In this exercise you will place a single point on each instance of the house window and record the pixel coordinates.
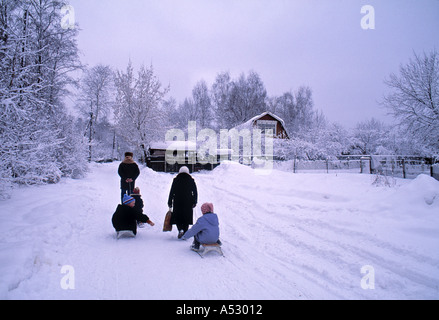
(265, 125)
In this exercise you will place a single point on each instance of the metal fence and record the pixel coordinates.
(401, 166)
(404, 169)
(356, 165)
(394, 166)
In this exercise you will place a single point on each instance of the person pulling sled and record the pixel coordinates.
(128, 171)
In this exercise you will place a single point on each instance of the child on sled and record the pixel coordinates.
(138, 204)
(206, 230)
(126, 216)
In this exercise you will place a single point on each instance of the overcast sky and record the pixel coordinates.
(317, 43)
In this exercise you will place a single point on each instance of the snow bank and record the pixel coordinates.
(16, 263)
(285, 236)
(423, 190)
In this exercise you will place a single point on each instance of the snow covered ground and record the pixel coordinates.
(285, 236)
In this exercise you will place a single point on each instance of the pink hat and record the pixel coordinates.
(207, 208)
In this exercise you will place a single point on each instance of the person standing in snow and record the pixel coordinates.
(183, 199)
(128, 172)
(126, 216)
(206, 230)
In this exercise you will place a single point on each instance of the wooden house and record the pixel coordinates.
(185, 153)
(266, 121)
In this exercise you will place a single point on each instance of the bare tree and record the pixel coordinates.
(137, 109)
(221, 90)
(296, 109)
(95, 98)
(414, 100)
(202, 103)
(236, 102)
(248, 98)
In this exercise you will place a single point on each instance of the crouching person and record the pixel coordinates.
(206, 230)
(126, 216)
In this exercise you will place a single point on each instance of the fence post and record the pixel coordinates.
(403, 169)
(434, 171)
(294, 166)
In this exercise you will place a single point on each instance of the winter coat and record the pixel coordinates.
(139, 202)
(183, 198)
(128, 169)
(206, 230)
(125, 218)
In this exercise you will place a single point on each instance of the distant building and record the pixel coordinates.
(170, 156)
(264, 122)
(184, 153)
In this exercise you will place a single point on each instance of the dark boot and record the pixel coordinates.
(195, 246)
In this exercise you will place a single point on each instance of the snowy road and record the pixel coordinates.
(286, 236)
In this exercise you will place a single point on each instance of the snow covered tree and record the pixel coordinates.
(220, 93)
(202, 105)
(139, 119)
(173, 115)
(197, 108)
(311, 136)
(72, 152)
(337, 140)
(296, 109)
(414, 99)
(370, 135)
(95, 99)
(236, 102)
(247, 99)
(187, 111)
(36, 58)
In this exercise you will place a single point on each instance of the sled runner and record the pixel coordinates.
(125, 234)
(206, 248)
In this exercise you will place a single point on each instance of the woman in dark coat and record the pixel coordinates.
(183, 198)
(128, 172)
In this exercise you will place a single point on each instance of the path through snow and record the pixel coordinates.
(286, 236)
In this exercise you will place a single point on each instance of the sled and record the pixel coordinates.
(206, 248)
(125, 234)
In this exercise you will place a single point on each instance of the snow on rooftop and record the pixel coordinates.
(250, 123)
